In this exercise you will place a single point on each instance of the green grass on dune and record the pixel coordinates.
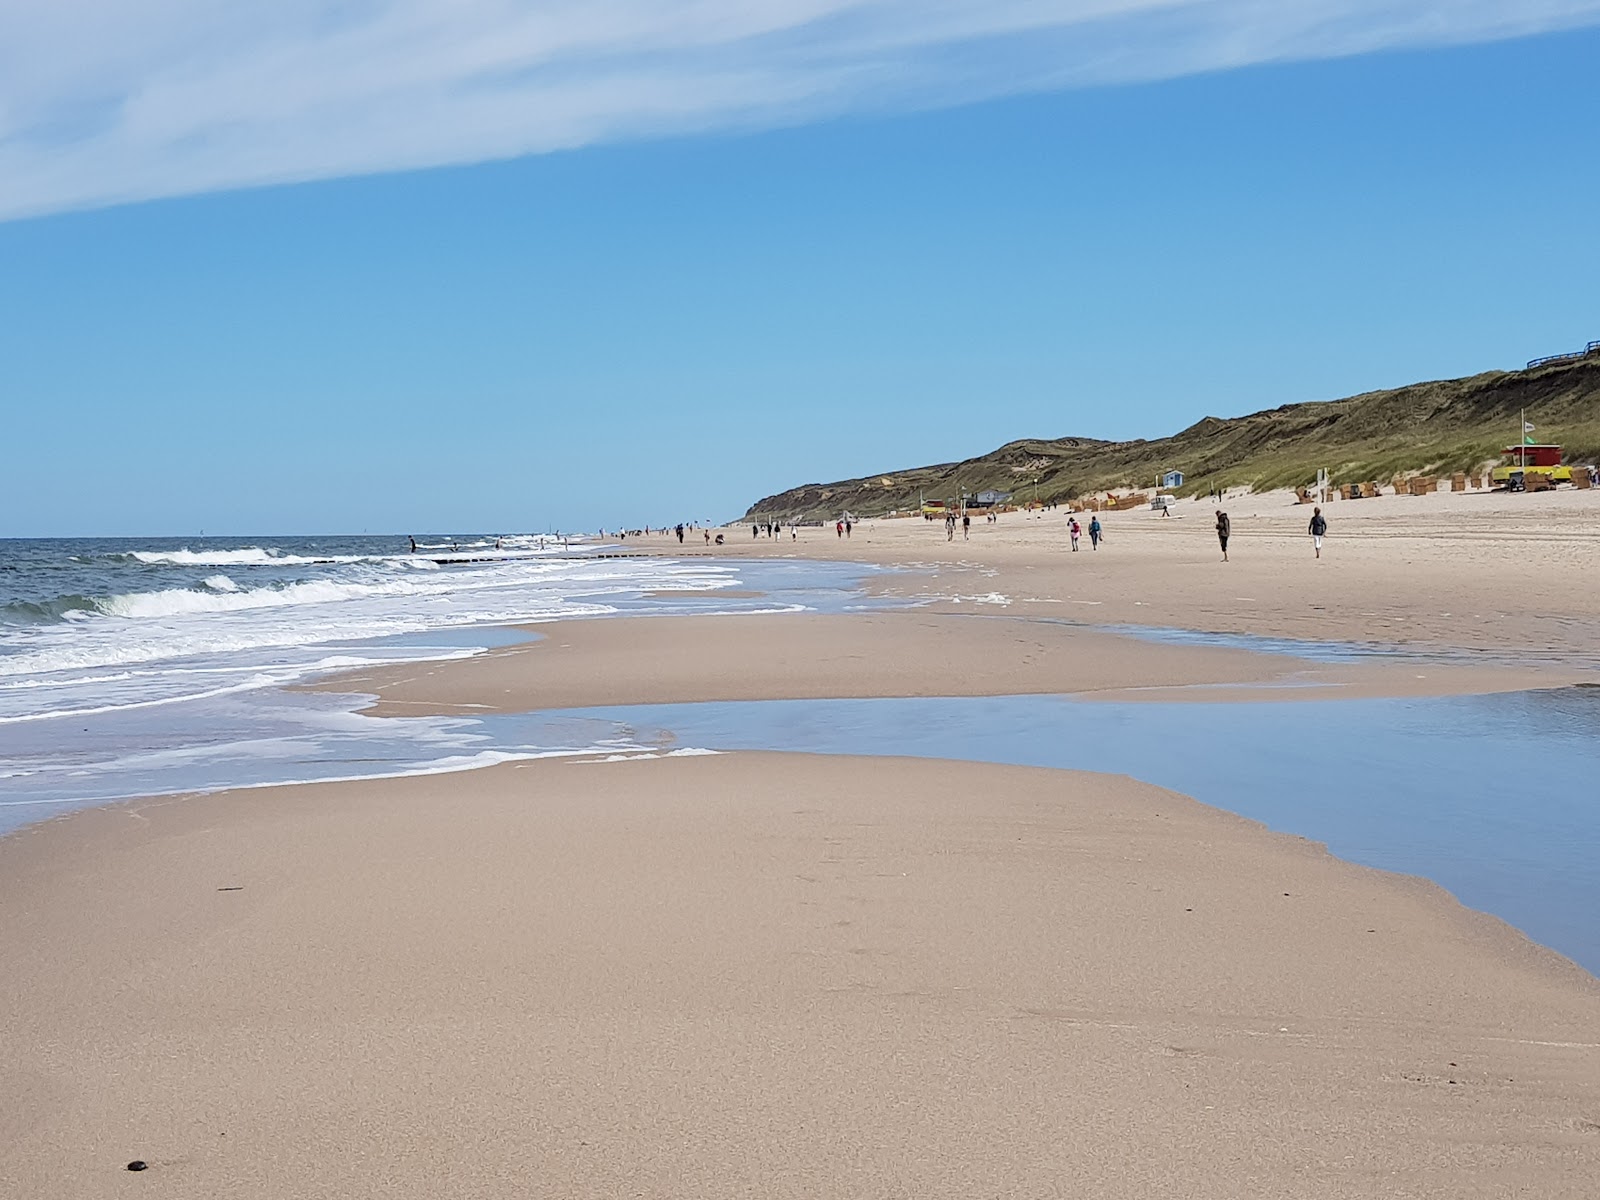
(1432, 428)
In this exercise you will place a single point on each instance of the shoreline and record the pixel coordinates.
(617, 970)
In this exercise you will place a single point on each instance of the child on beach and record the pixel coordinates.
(1317, 529)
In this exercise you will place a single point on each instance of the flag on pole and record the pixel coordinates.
(1527, 427)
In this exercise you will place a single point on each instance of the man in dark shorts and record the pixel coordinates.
(1224, 528)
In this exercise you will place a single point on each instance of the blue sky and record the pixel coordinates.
(706, 300)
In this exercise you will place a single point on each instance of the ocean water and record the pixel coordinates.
(144, 667)
(1496, 798)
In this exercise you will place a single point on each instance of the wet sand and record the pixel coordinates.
(764, 975)
(661, 660)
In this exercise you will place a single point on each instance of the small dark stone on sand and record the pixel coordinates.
(231, 889)
(138, 1164)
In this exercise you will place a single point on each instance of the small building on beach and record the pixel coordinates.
(989, 498)
(1171, 480)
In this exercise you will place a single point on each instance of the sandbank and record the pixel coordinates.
(776, 975)
(660, 660)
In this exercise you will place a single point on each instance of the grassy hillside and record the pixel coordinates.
(1451, 425)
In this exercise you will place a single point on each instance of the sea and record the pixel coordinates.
(148, 667)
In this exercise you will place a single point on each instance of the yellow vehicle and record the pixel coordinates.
(1524, 462)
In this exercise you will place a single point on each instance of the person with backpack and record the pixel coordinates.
(1224, 531)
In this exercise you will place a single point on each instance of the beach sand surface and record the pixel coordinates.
(773, 975)
(660, 660)
(1512, 575)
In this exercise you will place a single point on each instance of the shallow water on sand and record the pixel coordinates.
(1497, 798)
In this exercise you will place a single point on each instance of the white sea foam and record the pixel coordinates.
(246, 556)
(155, 647)
(175, 601)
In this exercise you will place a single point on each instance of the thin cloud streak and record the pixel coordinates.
(103, 102)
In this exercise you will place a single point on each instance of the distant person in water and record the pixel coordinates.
(1318, 529)
(1224, 531)
(1095, 533)
(413, 545)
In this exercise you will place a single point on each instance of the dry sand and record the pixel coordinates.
(764, 975)
(1492, 572)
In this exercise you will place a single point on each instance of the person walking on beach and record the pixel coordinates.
(1095, 533)
(1224, 528)
(1318, 529)
(680, 533)
(847, 526)
(1076, 531)
(949, 527)
(838, 529)
(966, 526)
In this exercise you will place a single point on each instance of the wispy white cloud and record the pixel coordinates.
(107, 101)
